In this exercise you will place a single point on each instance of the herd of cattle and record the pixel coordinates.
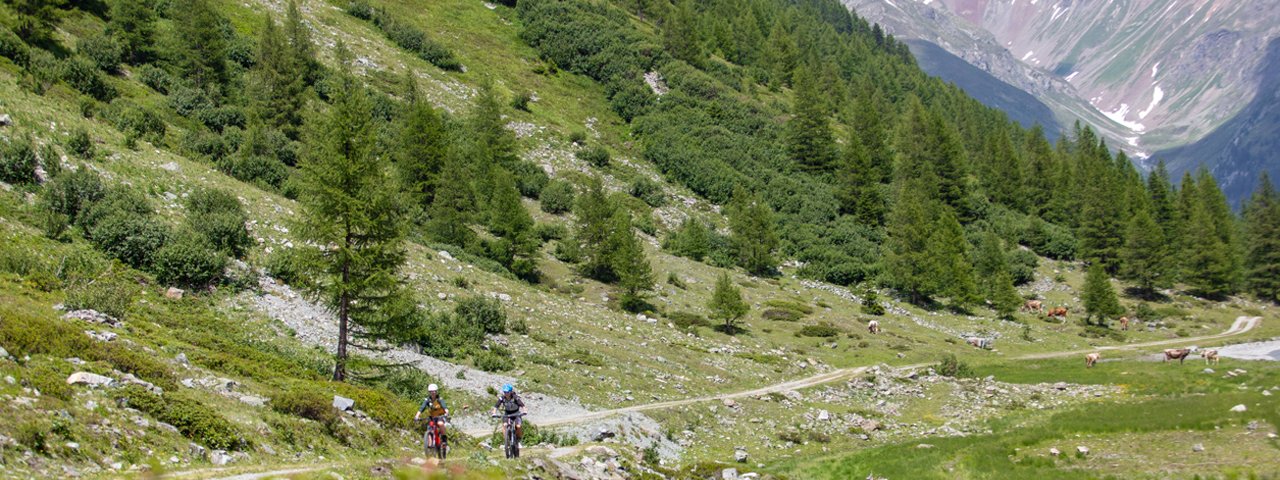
(1179, 354)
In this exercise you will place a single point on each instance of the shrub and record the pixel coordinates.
(305, 402)
(578, 137)
(130, 237)
(80, 145)
(584, 357)
(410, 383)
(595, 155)
(82, 74)
(220, 218)
(675, 281)
(530, 178)
(483, 312)
(1022, 266)
(406, 36)
(822, 330)
(493, 360)
(71, 194)
(521, 101)
(155, 77)
(780, 315)
(189, 260)
(112, 293)
(18, 161)
(687, 320)
(193, 419)
(551, 231)
(871, 304)
(1144, 312)
(648, 191)
(103, 50)
(791, 305)
(136, 121)
(12, 47)
(950, 366)
(557, 197)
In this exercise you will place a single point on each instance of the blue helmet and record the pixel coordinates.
(508, 388)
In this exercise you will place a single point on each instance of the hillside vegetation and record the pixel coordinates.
(610, 204)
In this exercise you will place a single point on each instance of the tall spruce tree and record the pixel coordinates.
(301, 48)
(452, 205)
(1163, 207)
(422, 147)
(1100, 301)
(858, 185)
(950, 253)
(680, 33)
(627, 258)
(1145, 256)
(275, 88)
(908, 267)
(809, 140)
(1206, 265)
(752, 226)
(1262, 240)
(200, 47)
(357, 220)
(726, 304)
(132, 25)
(991, 269)
(592, 213)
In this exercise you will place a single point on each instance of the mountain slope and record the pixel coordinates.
(1021, 106)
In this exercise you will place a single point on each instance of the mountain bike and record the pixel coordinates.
(511, 444)
(434, 442)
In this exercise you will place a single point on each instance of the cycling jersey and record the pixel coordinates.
(434, 407)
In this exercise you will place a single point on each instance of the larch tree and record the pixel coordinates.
(629, 263)
(809, 140)
(1262, 240)
(354, 220)
(1145, 256)
(1100, 301)
(752, 225)
(132, 24)
(726, 304)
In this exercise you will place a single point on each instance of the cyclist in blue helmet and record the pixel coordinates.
(509, 403)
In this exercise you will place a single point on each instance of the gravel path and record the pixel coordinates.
(1269, 350)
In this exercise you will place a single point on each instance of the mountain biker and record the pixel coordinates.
(510, 404)
(435, 408)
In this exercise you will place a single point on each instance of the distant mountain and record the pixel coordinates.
(1240, 149)
(1021, 106)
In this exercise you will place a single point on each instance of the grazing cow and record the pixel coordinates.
(1210, 356)
(1124, 323)
(873, 326)
(1179, 354)
(1032, 306)
(1091, 359)
(1060, 312)
(979, 342)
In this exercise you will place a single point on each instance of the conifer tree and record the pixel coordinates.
(859, 189)
(350, 212)
(1100, 301)
(301, 48)
(593, 211)
(680, 33)
(507, 216)
(1003, 175)
(1206, 259)
(809, 140)
(908, 267)
(422, 147)
(692, 240)
(451, 205)
(1101, 218)
(726, 304)
(752, 225)
(949, 252)
(200, 48)
(991, 269)
(35, 19)
(276, 86)
(780, 53)
(628, 261)
(1163, 208)
(869, 125)
(1041, 166)
(132, 24)
(1145, 256)
(491, 142)
(928, 148)
(1262, 240)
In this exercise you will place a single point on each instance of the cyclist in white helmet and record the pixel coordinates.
(435, 408)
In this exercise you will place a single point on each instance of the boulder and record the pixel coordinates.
(1199, 447)
(6, 120)
(729, 474)
(1055, 452)
(196, 451)
(4, 354)
(174, 293)
(824, 416)
(90, 379)
(740, 455)
(1208, 371)
(869, 425)
(219, 458)
(1239, 408)
(1082, 451)
(728, 402)
(343, 403)
(182, 359)
(603, 434)
(92, 316)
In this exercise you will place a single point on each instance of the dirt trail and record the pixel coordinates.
(1241, 325)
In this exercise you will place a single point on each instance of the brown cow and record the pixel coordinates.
(1090, 359)
(1032, 306)
(1060, 312)
(1210, 356)
(1179, 354)
(873, 326)
(1124, 323)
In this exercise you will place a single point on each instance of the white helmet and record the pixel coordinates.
(432, 388)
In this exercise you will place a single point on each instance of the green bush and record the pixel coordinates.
(950, 366)
(409, 383)
(687, 320)
(18, 161)
(649, 191)
(193, 419)
(112, 293)
(155, 77)
(12, 47)
(483, 312)
(82, 74)
(780, 315)
(492, 360)
(80, 145)
(136, 121)
(583, 357)
(406, 36)
(220, 218)
(596, 155)
(822, 330)
(530, 178)
(305, 402)
(578, 137)
(189, 260)
(103, 50)
(130, 237)
(551, 231)
(871, 304)
(71, 194)
(791, 305)
(557, 197)
(521, 101)
(1022, 266)
(22, 334)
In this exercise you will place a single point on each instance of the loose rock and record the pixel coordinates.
(740, 455)
(343, 403)
(1239, 408)
(174, 293)
(1199, 447)
(90, 379)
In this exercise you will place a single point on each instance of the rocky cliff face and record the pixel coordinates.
(1153, 73)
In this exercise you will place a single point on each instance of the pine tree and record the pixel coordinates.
(950, 253)
(869, 124)
(301, 48)
(991, 269)
(1041, 164)
(132, 24)
(680, 33)
(276, 87)
(859, 189)
(726, 304)
(422, 147)
(35, 19)
(1225, 226)
(1206, 260)
(1101, 225)
(592, 214)
(507, 216)
(350, 212)
(692, 240)
(1262, 240)
(780, 54)
(200, 51)
(752, 225)
(491, 142)
(908, 267)
(809, 140)
(628, 261)
(1145, 255)
(1100, 301)
(1003, 175)
(452, 205)
(927, 147)
(1163, 209)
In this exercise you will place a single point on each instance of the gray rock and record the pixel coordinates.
(182, 359)
(603, 434)
(90, 379)
(729, 474)
(343, 403)
(9, 379)
(740, 455)
(1239, 408)
(4, 354)
(6, 120)
(252, 400)
(174, 293)
(1208, 371)
(92, 316)
(1082, 451)
(1199, 447)
(197, 451)
(219, 458)
(1055, 452)
(824, 416)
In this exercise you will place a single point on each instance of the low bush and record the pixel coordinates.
(648, 191)
(305, 402)
(155, 77)
(583, 357)
(596, 155)
(82, 74)
(12, 47)
(188, 260)
(18, 161)
(791, 305)
(130, 237)
(780, 315)
(193, 419)
(871, 304)
(687, 320)
(521, 101)
(557, 197)
(136, 121)
(483, 312)
(950, 366)
(822, 330)
(551, 231)
(80, 145)
(530, 178)
(405, 35)
(493, 360)
(103, 50)
(220, 218)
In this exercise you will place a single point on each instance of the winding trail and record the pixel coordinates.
(1240, 326)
